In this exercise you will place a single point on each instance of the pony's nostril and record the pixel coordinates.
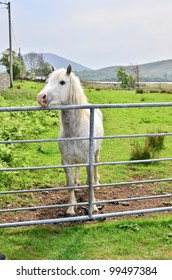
(42, 99)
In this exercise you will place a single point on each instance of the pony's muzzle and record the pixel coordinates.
(42, 99)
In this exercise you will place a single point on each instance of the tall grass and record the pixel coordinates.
(156, 143)
(151, 148)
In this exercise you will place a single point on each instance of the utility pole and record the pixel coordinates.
(10, 42)
(10, 45)
(137, 77)
(20, 59)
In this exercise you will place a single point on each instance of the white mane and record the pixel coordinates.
(76, 91)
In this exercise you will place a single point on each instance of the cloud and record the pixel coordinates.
(96, 33)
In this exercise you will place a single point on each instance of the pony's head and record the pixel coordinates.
(57, 90)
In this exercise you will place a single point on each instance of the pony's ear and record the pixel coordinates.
(53, 68)
(69, 69)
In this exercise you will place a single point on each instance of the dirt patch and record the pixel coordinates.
(54, 198)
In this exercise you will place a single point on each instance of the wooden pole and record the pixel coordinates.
(10, 46)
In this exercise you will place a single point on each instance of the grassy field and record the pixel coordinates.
(149, 238)
(141, 239)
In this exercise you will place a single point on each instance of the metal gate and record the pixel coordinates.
(90, 164)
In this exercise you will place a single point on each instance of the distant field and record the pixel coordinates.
(45, 124)
(146, 87)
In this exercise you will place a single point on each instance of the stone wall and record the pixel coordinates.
(4, 81)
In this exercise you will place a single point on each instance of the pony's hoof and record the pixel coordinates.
(96, 211)
(97, 183)
(77, 183)
(70, 212)
(100, 207)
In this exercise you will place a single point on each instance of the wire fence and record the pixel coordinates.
(89, 165)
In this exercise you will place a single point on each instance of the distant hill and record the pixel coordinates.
(61, 62)
(160, 71)
(58, 62)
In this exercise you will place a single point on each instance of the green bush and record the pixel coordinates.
(139, 152)
(150, 149)
(156, 143)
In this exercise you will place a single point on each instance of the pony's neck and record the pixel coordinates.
(71, 119)
(77, 96)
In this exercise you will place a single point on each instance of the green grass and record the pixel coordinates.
(125, 239)
(141, 239)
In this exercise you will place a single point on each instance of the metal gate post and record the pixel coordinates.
(91, 161)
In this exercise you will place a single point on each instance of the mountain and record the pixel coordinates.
(160, 71)
(61, 62)
(55, 60)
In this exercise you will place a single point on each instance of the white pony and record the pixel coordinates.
(64, 88)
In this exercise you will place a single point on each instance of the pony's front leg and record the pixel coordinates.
(72, 198)
(77, 175)
(94, 207)
(96, 174)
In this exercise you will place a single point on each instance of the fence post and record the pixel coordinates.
(91, 161)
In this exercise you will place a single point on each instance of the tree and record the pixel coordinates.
(32, 61)
(134, 69)
(126, 80)
(36, 64)
(43, 67)
(18, 63)
(131, 81)
(122, 77)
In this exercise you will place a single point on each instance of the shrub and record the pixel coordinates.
(153, 91)
(139, 90)
(6, 155)
(156, 143)
(151, 148)
(163, 91)
(138, 152)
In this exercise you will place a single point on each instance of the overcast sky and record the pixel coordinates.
(95, 33)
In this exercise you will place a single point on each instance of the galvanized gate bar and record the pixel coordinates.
(88, 106)
(86, 218)
(31, 208)
(133, 199)
(134, 182)
(42, 167)
(84, 138)
(134, 135)
(84, 187)
(85, 164)
(132, 161)
(111, 201)
(43, 190)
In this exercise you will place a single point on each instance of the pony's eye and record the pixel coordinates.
(62, 83)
